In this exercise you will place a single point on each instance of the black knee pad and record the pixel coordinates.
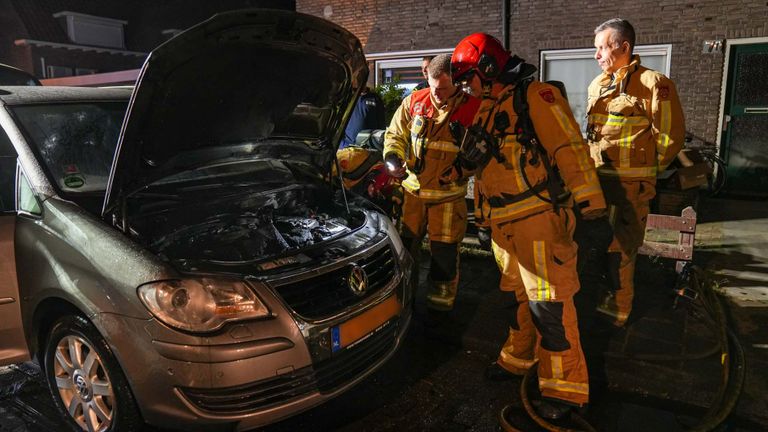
(548, 319)
(444, 258)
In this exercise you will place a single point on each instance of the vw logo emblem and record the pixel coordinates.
(357, 280)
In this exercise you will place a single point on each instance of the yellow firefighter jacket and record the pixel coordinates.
(635, 123)
(504, 194)
(420, 135)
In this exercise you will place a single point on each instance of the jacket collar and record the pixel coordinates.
(620, 74)
(615, 82)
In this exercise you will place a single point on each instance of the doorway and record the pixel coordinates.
(745, 118)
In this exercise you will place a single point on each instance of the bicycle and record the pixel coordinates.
(704, 151)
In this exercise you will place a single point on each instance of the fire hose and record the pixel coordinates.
(731, 359)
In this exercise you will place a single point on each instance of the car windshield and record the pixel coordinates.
(75, 141)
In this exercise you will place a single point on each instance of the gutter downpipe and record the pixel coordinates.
(505, 13)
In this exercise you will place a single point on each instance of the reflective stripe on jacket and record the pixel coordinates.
(558, 134)
(420, 135)
(635, 122)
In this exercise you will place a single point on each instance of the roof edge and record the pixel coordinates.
(86, 48)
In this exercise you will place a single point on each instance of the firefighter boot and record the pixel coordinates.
(441, 295)
(496, 372)
(552, 409)
(610, 307)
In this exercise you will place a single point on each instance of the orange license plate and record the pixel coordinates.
(364, 325)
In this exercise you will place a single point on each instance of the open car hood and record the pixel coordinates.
(243, 84)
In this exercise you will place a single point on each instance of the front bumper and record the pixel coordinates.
(256, 373)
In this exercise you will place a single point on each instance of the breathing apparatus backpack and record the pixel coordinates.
(527, 137)
(478, 147)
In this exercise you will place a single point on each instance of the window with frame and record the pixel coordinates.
(408, 71)
(404, 66)
(53, 71)
(576, 68)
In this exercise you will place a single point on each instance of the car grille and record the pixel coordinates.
(325, 377)
(261, 394)
(329, 293)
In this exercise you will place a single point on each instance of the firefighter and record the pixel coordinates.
(635, 129)
(530, 213)
(424, 66)
(418, 145)
(367, 115)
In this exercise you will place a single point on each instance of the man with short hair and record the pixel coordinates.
(635, 129)
(424, 65)
(419, 146)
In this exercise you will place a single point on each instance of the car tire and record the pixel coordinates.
(87, 385)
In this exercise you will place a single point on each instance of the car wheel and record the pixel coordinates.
(85, 380)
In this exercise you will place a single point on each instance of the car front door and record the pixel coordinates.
(13, 345)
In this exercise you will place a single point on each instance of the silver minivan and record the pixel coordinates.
(181, 254)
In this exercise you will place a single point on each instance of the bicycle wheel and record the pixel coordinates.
(717, 175)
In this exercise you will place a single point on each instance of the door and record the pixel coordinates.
(746, 120)
(13, 345)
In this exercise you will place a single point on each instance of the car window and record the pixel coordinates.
(75, 142)
(27, 200)
(7, 173)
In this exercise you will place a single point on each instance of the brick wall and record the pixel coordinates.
(404, 25)
(399, 25)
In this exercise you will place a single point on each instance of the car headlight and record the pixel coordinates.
(392, 233)
(201, 305)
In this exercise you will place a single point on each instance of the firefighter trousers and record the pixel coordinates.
(446, 224)
(537, 258)
(628, 208)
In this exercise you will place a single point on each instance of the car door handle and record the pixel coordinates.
(6, 300)
(756, 110)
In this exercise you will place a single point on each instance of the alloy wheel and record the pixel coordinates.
(83, 384)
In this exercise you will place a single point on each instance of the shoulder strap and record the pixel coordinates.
(526, 135)
(560, 86)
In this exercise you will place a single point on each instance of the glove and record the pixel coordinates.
(594, 214)
(450, 175)
(465, 164)
(459, 170)
(593, 236)
(484, 238)
(597, 232)
(396, 198)
(395, 165)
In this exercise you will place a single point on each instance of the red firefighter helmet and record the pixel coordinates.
(480, 53)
